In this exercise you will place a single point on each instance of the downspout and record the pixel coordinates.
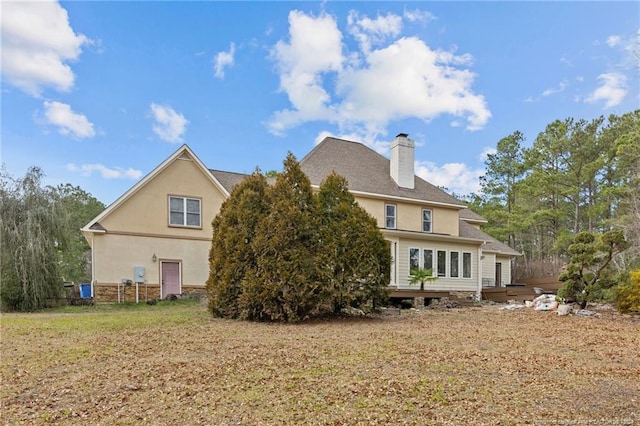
(93, 267)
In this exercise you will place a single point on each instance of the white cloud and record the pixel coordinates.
(488, 150)
(418, 15)
(170, 125)
(301, 63)
(456, 177)
(563, 85)
(613, 90)
(613, 40)
(104, 171)
(565, 60)
(222, 60)
(67, 121)
(369, 89)
(409, 79)
(37, 44)
(369, 32)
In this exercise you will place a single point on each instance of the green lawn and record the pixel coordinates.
(173, 364)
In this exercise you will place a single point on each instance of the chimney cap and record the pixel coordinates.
(402, 135)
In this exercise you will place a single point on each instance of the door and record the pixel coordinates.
(498, 274)
(170, 278)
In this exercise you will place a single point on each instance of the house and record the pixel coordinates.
(154, 240)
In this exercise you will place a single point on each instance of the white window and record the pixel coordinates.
(442, 263)
(426, 220)
(414, 260)
(184, 212)
(390, 216)
(466, 265)
(454, 264)
(427, 257)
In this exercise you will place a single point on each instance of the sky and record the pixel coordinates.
(97, 94)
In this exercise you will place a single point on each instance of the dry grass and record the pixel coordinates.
(176, 365)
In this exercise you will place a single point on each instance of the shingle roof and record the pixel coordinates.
(366, 171)
(471, 216)
(492, 245)
(228, 179)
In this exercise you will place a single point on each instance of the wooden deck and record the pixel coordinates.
(521, 292)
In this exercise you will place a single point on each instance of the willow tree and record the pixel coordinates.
(32, 226)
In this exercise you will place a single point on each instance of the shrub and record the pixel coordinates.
(628, 294)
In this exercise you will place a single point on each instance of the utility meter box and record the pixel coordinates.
(138, 274)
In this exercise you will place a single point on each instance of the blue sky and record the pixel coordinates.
(99, 93)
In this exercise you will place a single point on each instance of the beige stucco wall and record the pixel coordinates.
(147, 211)
(118, 254)
(409, 216)
(138, 228)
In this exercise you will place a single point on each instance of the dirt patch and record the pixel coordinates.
(176, 365)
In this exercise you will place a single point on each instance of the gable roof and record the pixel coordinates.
(367, 172)
(491, 244)
(183, 152)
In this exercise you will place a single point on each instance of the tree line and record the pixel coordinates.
(577, 176)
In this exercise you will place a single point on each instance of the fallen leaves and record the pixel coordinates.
(176, 365)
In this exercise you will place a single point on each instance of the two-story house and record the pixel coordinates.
(158, 234)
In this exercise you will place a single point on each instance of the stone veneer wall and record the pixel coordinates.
(108, 293)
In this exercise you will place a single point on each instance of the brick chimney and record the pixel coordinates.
(402, 159)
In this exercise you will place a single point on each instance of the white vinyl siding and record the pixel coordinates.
(431, 248)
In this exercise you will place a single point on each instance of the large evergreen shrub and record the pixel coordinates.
(282, 253)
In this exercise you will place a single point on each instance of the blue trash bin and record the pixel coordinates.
(85, 291)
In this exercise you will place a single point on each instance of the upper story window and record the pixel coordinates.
(184, 212)
(426, 220)
(390, 216)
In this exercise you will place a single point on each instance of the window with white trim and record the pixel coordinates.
(427, 259)
(390, 216)
(427, 216)
(184, 211)
(454, 264)
(466, 265)
(414, 260)
(441, 263)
